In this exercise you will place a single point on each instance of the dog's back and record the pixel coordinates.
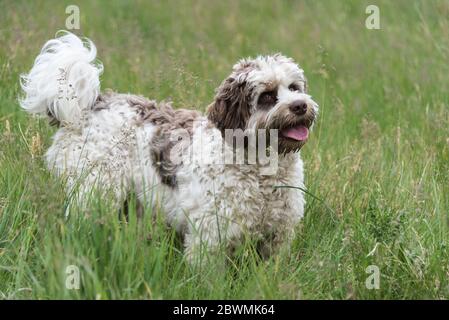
(106, 141)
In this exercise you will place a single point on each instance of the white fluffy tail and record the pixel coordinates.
(64, 80)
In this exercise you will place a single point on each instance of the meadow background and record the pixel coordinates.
(378, 158)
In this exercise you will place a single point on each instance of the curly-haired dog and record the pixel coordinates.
(119, 144)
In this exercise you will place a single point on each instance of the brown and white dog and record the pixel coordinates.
(118, 144)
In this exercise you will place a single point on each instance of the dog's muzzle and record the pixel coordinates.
(299, 129)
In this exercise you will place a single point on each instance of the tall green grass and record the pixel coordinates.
(378, 160)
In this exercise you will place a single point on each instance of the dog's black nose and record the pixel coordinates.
(298, 107)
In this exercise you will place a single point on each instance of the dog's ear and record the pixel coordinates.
(231, 108)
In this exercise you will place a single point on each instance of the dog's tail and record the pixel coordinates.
(64, 80)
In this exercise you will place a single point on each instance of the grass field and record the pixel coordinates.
(378, 159)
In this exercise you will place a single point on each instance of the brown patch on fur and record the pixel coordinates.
(231, 109)
(168, 121)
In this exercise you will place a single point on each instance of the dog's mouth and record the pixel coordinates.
(292, 133)
(298, 133)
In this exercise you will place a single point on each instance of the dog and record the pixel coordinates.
(122, 144)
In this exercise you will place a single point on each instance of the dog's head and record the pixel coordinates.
(266, 93)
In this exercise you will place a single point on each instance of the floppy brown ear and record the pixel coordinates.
(231, 108)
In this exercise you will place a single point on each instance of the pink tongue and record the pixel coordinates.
(299, 133)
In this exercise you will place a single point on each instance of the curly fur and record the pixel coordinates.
(121, 143)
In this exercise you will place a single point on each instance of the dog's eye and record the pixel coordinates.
(268, 98)
(294, 87)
